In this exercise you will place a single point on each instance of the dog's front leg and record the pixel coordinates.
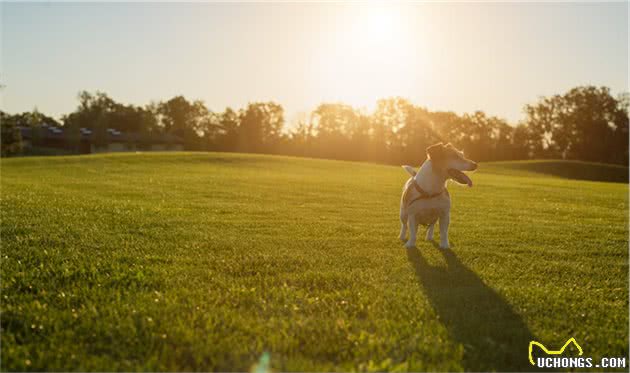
(445, 220)
(403, 231)
(430, 232)
(403, 225)
(413, 229)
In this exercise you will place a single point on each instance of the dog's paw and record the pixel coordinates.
(402, 238)
(444, 246)
(410, 245)
(428, 238)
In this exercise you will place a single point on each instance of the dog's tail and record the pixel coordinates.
(409, 170)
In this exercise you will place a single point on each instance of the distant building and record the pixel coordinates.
(85, 141)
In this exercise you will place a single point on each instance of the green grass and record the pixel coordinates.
(200, 261)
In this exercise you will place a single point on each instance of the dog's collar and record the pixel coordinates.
(423, 193)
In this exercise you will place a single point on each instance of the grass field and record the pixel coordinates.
(196, 261)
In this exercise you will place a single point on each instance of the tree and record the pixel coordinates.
(418, 133)
(390, 118)
(99, 130)
(99, 112)
(301, 139)
(91, 108)
(334, 126)
(10, 135)
(260, 127)
(585, 123)
(619, 145)
(227, 133)
(521, 144)
(185, 119)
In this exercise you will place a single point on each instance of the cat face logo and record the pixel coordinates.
(552, 352)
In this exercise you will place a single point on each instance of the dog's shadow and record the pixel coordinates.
(494, 337)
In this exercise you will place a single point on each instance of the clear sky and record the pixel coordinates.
(446, 56)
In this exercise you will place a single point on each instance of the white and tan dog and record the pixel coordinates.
(425, 198)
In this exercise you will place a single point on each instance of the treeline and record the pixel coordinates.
(586, 123)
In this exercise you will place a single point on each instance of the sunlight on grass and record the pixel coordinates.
(202, 261)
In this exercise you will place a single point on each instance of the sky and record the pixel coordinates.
(462, 57)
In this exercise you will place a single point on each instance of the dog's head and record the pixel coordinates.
(450, 161)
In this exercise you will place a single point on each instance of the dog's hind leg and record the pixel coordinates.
(445, 220)
(403, 225)
(429, 236)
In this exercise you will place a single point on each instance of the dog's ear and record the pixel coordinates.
(436, 152)
(409, 170)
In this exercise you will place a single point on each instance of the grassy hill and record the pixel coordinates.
(575, 170)
(196, 261)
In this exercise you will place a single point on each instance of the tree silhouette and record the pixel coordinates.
(585, 123)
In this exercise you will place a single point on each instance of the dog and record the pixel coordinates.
(425, 199)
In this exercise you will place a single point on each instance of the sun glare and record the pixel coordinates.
(371, 56)
(377, 26)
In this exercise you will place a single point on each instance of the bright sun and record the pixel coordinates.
(371, 56)
(377, 26)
